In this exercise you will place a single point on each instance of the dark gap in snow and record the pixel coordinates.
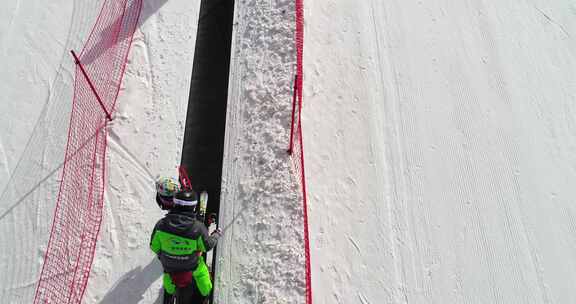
(203, 147)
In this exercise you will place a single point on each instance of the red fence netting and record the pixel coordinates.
(78, 212)
(296, 148)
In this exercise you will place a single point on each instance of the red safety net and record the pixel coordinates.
(78, 212)
(296, 148)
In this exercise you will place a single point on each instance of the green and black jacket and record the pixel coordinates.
(177, 238)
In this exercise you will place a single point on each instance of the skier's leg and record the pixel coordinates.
(168, 298)
(197, 297)
(202, 278)
(186, 295)
(169, 289)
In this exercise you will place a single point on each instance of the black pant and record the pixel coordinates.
(168, 298)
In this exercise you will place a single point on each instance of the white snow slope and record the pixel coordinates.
(441, 150)
(145, 139)
(440, 143)
(34, 108)
(260, 257)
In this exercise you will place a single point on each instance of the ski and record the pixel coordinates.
(210, 223)
(202, 206)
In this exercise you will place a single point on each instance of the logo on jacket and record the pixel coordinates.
(178, 242)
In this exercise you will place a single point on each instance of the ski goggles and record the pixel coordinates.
(185, 203)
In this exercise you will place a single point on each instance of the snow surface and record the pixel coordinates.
(440, 143)
(260, 257)
(34, 109)
(145, 140)
(441, 150)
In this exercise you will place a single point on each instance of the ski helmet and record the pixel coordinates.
(186, 198)
(167, 186)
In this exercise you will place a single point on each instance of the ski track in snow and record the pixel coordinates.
(3, 163)
(466, 110)
(440, 146)
(145, 141)
(36, 95)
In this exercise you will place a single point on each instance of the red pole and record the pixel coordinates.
(291, 145)
(77, 60)
(305, 208)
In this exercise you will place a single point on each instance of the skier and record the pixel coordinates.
(179, 240)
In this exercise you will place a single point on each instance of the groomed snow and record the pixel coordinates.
(34, 108)
(440, 145)
(145, 140)
(441, 150)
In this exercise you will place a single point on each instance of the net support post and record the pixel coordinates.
(79, 64)
(291, 144)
